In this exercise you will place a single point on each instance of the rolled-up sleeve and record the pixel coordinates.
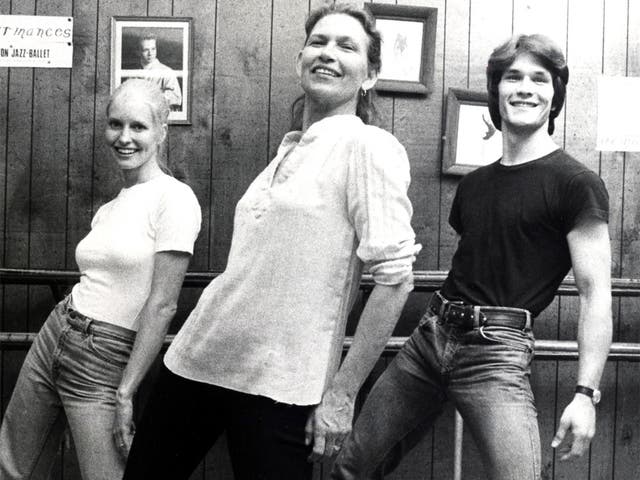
(380, 209)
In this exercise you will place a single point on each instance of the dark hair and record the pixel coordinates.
(152, 95)
(365, 109)
(542, 49)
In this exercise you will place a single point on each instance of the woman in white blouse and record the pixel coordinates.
(95, 347)
(259, 355)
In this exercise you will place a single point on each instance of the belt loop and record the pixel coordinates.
(443, 304)
(476, 316)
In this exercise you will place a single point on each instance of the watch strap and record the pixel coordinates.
(585, 390)
(592, 393)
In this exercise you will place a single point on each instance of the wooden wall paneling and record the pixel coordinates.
(5, 7)
(81, 128)
(241, 109)
(584, 56)
(190, 147)
(547, 17)
(417, 124)
(612, 171)
(49, 163)
(17, 206)
(490, 25)
(106, 176)
(455, 75)
(160, 8)
(287, 39)
(627, 445)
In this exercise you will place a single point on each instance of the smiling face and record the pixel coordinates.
(132, 133)
(525, 95)
(147, 51)
(333, 64)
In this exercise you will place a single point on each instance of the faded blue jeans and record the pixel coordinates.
(484, 372)
(70, 374)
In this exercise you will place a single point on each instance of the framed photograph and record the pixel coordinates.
(471, 140)
(408, 47)
(159, 49)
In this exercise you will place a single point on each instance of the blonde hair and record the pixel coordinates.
(149, 92)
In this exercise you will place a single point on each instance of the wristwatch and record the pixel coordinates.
(592, 393)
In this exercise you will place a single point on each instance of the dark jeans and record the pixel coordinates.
(483, 371)
(184, 418)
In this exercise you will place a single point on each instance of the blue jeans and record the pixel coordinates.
(484, 372)
(70, 374)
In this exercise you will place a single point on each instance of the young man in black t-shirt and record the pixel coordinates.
(523, 222)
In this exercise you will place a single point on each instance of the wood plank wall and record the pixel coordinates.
(55, 172)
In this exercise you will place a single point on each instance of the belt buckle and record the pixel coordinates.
(459, 314)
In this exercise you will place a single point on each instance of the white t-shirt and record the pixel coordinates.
(116, 258)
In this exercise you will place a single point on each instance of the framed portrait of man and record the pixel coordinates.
(158, 49)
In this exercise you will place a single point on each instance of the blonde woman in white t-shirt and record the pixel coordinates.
(95, 347)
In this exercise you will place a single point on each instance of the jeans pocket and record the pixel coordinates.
(111, 350)
(509, 337)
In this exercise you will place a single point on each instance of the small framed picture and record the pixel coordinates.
(158, 49)
(471, 140)
(408, 47)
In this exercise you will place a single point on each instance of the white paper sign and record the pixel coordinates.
(36, 41)
(618, 111)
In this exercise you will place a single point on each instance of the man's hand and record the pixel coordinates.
(328, 425)
(123, 426)
(579, 418)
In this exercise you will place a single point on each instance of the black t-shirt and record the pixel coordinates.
(513, 222)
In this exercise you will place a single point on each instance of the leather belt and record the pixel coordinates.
(475, 316)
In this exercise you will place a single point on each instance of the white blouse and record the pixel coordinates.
(272, 324)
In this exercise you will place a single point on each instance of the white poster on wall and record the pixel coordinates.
(36, 41)
(618, 107)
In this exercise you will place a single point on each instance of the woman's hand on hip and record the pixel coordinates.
(328, 425)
